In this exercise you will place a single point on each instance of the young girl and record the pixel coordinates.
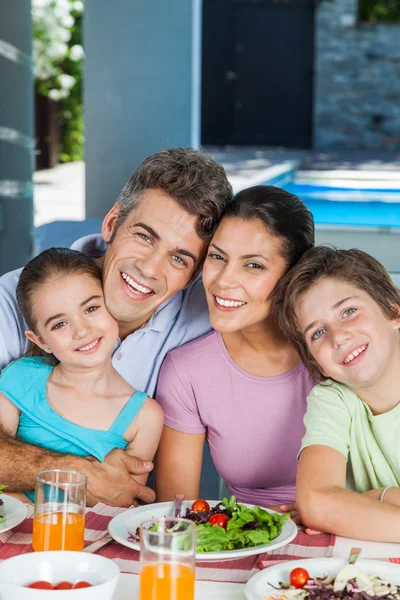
(66, 396)
(341, 311)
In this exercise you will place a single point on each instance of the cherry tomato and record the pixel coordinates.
(219, 519)
(63, 585)
(81, 584)
(299, 577)
(41, 585)
(200, 506)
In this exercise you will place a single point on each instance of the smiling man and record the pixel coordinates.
(151, 250)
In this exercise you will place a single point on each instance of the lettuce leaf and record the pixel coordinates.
(245, 529)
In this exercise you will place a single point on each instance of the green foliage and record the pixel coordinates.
(58, 64)
(72, 106)
(379, 11)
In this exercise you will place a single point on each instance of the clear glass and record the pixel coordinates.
(167, 559)
(59, 515)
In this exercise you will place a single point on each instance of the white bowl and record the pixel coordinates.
(18, 572)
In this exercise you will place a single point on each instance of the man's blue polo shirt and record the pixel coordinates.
(138, 358)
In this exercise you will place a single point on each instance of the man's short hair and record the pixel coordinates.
(192, 178)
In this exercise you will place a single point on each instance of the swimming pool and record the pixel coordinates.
(352, 213)
(340, 206)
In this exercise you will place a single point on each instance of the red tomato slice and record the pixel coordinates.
(200, 506)
(63, 585)
(41, 585)
(81, 584)
(298, 577)
(219, 519)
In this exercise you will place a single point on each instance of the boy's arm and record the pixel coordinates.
(326, 505)
(145, 433)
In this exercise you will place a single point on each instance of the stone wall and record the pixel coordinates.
(357, 80)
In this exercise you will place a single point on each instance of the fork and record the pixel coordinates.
(178, 505)
(94, 546)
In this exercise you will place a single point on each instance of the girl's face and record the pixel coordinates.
(347, 333)
(73, 322)
(242, 267)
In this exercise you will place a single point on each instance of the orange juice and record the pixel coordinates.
(58, 531)
(166, 582)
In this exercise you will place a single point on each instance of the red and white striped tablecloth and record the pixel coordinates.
(18, 541)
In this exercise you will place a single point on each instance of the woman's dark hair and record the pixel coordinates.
(283, 214)
(49, 264)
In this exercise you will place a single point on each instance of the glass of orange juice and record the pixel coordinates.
(167, 559)
(59, 514)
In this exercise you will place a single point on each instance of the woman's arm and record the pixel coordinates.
(326, 505)
(178, 464)
(145, 432)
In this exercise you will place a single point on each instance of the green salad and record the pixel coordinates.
(231, 526)
(226, 526)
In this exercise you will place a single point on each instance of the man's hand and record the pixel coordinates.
(113, 482)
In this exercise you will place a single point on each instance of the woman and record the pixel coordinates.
(242, 387)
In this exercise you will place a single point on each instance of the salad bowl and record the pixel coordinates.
(123, 528)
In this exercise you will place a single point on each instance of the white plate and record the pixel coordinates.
(257, 586)
(128, 521)
(128, 589)
(15, 512)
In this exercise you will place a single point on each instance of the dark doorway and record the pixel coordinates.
(257, 73)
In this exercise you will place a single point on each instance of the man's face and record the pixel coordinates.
(153, 255)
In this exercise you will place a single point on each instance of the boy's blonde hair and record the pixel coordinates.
(352, 266)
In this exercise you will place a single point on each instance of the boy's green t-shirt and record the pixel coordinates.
(338, 418)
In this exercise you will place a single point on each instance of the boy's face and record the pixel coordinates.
(347, 333)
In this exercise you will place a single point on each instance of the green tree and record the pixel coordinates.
(381, 11)
(58, 63)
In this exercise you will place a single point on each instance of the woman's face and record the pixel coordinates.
(242, 267)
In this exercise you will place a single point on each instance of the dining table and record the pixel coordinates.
(224, 580)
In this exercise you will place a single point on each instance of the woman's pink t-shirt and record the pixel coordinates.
(253, 425)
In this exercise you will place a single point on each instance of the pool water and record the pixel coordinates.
(349, 207)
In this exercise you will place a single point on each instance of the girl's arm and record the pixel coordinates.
(145, 432)
(326, 505)
(178, 464)
(9, 416)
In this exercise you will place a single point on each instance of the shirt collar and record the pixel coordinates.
(164, 315)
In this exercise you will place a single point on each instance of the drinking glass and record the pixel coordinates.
(167, 559)
(59, 514)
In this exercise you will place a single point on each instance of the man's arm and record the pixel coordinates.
(111, 482)
(13, 342)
